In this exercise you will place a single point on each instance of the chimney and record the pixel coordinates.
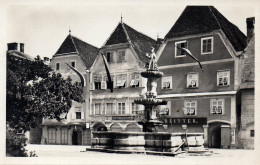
(22, 47)
(12, 46)
(250, 22)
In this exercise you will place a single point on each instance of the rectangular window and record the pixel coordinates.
(121, 81)
(167, 82)
(97, 109)
(121, 56)
(165, 109)
(97, 81)
(135, 78)
(252, 133)
(192, 80)
(134, 108)
(109, 109)
(112, 81)
(51, 136)
(109, 56)
(223, 78)
(217, 106)
(64, 135)
(57, 66)
(78, 115)
(207, 45)
(92, 109)
(180, 44)
(190, 107)
(121, 108)
(73, 64)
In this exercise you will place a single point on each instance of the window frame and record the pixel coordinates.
(218, 71)
(74, 64)
(162, 81)
(110, 55)
(125, 84)
(223, 106)
(212, 43)
(176, 49)
(197, 84)
(120, 108)
(97, 84)
(136, 78)
(76, 115)
(118, 55)
(196, 107)
(100, 108)
(56, 66)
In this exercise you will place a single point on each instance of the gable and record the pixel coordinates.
(220, 51)
(203, 19)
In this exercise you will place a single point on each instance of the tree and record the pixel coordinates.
(33, 91)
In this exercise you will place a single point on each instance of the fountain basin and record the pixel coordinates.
(152, 73)
(146, 141)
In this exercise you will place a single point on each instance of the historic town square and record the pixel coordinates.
(123, 83)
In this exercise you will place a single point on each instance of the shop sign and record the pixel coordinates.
(123, 117)
(202, 121)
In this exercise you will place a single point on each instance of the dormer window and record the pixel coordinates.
(97, 81)
(180, 44)
(121, 56)
(207, 45)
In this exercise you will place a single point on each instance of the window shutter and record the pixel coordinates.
(73, 115)
(82, 115)
(103, 85)
(92, 86)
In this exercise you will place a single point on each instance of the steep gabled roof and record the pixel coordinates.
(141, 43)
(86, 51)
(202, 19)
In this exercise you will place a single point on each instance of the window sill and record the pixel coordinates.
(192, 87)
(166, 89)
(179, 56)
(223, 86)
(206, 53)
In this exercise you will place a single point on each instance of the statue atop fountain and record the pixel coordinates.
(149, 99)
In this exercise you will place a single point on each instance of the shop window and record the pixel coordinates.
(64, 136)
(52, 136)
(109, 56)
(135, 78)
(97, 109)
(207, 45)
(192, 80)
(190, 107)
(180, 44)
(57, 66)
(167, 82)
(97, 82)
(223, 78)
(252, 133)
(121, 108)
(217, 106)
(121, 56)
(121, 81)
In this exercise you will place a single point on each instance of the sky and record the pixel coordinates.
(42, 27)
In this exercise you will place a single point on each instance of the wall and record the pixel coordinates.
(194, 45)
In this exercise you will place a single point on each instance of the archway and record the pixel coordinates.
(116, 128)
(99, 127)
(219, 135)
(133, 128)
(77, 137)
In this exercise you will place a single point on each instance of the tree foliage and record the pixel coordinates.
(34, 92)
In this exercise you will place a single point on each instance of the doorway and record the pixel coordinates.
(214, 140)
(77, 137)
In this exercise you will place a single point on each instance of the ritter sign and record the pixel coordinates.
(202, 121)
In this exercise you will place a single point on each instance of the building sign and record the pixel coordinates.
(164, 111)
(202, 121)
(123, 117)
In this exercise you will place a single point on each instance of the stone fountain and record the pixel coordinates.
(150, 140)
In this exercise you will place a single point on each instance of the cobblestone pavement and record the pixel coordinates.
(66, 154)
